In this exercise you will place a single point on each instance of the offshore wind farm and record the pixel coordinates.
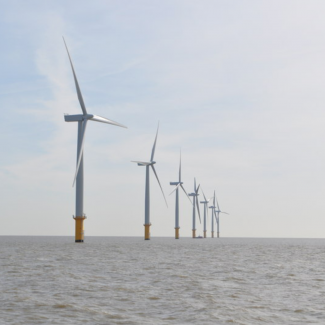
(80, 216)
(239, 140)
(238, 86)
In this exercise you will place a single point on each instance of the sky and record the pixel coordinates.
(236, 85)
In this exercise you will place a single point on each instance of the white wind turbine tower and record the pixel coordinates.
(205, 206)
(195, 194)
(218, 211)
(82, 120)
(151, 163)
(178, 185)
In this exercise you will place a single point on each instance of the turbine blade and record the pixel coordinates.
(154, 145)
(214, 199)
(203, 194)
(186, 193)
(197, 207)
(81, 101)
(81, 150)
(224, 212)
(175, 189)
(217, 204)
(180, 166)
(197, 190)
(215, 215)
(101, 119)
(194, 184)
(153, 168)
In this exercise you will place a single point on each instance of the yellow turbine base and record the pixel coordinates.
(177, 233)
(147, 232)
(212, 234)
(193, 233)
(205, 234)
(79, 234)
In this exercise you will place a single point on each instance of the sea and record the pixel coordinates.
(126, 280)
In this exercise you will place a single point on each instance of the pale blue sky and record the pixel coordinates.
(238, 85)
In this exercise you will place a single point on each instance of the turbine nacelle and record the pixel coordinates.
(176, 183)
(144, 163)
(77, 117)
(86, 117)
(218, 211)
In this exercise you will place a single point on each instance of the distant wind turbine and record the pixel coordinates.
(205, 206)
(147, 223)
(82, 120)
(213, 214)
(218, 211)
(178, 185)
(195, 194)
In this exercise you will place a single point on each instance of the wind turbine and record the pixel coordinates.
(217, 216)
(82, 120)
(178, 185)
(205, 205)
(195, 194)
(147, 223)
(213, 213)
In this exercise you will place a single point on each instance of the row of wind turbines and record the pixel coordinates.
(80, 216)
(215, 210)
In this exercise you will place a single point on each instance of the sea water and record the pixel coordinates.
(126, 280)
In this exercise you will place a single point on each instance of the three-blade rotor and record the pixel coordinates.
(179, 184)
(151, 164)
(84, 117)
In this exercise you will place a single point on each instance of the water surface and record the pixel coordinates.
(126, 280)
